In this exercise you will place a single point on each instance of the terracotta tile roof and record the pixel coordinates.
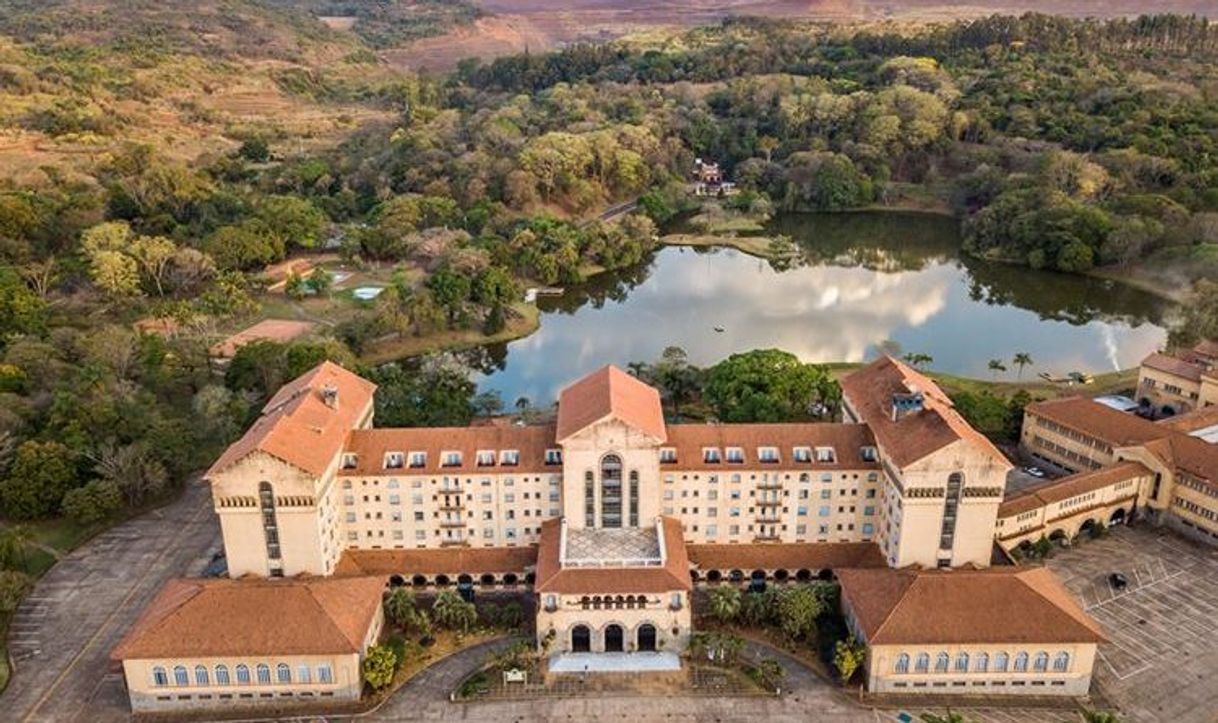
(787, 556)
(450, 561)
(1071, 486)
(1118, 429)
(1193, 421)
(531, 442)
(1174, 366)
(912, 437)
(609, 392)
(1207, 349)
(280, 330)
(299, 427)
(219, 617)
(553, 577)
(1025, 501)
(847, 440)
(965, 606)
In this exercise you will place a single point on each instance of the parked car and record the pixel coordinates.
(1035, 472)
(1118, 581)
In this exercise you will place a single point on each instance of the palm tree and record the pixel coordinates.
(725, 603)
(1022, 359)
(997, 366)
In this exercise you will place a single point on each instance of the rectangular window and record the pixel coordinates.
(394, 460)
(802, 454)
(418, 459)
(735, 455)
(768, 455)
(484, 458)
(825, 454)
(710, 455)
(509, 457)
(823, 512)
(452, 459)
(324, 674)
(553, 456)
(668, 455)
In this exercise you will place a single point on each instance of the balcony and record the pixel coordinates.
(768, 502)
(455, 542)
(456, 506)
(766, 537)
(452, 522)
(774, 484)
(767, 518)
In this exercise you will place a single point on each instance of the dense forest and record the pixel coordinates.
(1059, 143)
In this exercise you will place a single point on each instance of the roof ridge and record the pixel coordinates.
(310, 587)
(911, 577)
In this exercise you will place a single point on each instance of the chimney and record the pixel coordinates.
(329, 395)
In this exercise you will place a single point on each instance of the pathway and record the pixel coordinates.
(61, 636)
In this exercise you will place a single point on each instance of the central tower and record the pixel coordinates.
(610, 427)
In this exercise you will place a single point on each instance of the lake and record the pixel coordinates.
(863, 280)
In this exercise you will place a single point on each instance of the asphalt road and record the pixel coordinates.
(62, 634)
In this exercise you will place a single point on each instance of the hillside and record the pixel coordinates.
(79, 78)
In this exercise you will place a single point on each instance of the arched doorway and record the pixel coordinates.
(418, 581)
(465, 587)
(714, 576)
(441, 580)
(825, 575)
(396, 581)
(488, 579)
(1118, 517)
(781, 575)
(647, 638)
(694, 576)
(581, 639)
(803, 575)
(614, 638)
(509, 579)
(1087, 527)
(736, 576)
(757, 581)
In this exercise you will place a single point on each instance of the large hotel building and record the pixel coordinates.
(610, 516)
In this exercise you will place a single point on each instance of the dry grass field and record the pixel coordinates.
(515, 26)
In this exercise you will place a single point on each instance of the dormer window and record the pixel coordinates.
(509, 457)
(451, 459)
(802, 454)
(869, 454)
(768, 455)
(668, 455)
(418, 459)
(553, 456)
(485, 459)
(394, 460)
(735, 455)
(710, 455)
(825, 454)
(350, 461)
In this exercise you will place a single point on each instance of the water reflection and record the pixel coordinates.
(863, 280)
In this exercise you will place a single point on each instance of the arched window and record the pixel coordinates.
(1000, 662)
(962, 662)
(633, 498)
(324, 674)
(589, 500)
(221, 675)
(283, 673)
(611, 491)
(159, 677)
(270, 526)
(263, 672)
(180, 677)
(1061, 662)
(923, 664)
(243, 674)
(951, 503)
(303, 674)
(941, 661)
(1042, 662)
(585, 602)
(983, 663)
(1021, 663)
(201, 676)
(902, 663)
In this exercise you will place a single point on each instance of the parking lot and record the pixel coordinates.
(1162, 659)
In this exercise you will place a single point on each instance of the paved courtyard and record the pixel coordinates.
(62, 634)
(1162, 661)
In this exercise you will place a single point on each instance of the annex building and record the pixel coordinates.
(611, 516)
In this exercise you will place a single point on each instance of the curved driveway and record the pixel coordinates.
(62, 634)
